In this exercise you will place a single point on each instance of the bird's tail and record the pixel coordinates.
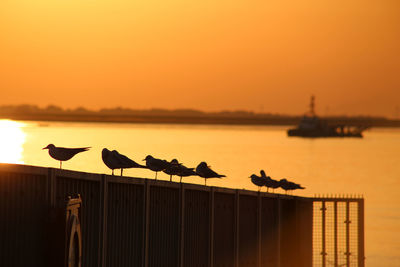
(81, 149)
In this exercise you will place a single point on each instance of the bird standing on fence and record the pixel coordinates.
(269, 182)
(287, 185)
(203, 170)
(258, 181)
(63, 153)
(115, 160)
(185, 171)
(155, 164)
(172, 169)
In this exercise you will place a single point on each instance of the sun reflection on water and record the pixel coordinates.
(12, 138)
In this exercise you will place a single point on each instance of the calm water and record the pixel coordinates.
(368, 166)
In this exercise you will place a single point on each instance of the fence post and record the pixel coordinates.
(279, 231)
(211, 210)
(182, 222)
(335, 238)
(103, 220)
(259, 228)
(347, 233)
(237, 227)
(323, 209)
(51, 187)
(146, 205)
(361, 255)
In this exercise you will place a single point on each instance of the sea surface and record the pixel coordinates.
(369, 166)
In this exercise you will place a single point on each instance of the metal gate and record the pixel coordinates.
(338, 232)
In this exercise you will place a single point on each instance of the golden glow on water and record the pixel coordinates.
(12, 138)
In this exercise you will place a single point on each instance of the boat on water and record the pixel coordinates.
(312, 126)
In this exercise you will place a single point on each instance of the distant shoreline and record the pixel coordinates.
(178, 116)
(199, 119)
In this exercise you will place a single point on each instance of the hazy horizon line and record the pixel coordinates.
(51, 108)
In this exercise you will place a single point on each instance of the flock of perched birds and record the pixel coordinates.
(114, 160)
(268, 182)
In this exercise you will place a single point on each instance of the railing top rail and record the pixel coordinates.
(337, 199)
(37, 170)
(21, 168)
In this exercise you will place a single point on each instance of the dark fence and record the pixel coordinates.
(141, 222)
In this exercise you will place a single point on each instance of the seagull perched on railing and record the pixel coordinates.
(173, 168)
(203, 170)
(287, 185)
(115, 160)
(155, 164)
(185, 171)
(63, 153)
(258, 181)
(177, 168)
(269, 182)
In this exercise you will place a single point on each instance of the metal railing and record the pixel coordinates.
(338, 231)
(142, 222)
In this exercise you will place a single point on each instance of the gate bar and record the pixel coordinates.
(335, 221)
(323, 209)
(360, 220)
(347, 234)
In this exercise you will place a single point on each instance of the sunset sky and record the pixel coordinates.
(259, 55)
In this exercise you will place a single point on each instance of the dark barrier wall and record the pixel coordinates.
(141, 222)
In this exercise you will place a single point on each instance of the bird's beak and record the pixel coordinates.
(143, 159)
(45, 147)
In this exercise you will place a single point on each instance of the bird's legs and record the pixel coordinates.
(156, 175)
(170, 178)
(60, 164)
(181, 180)
(112, 172)
(121, 171)
(205, 181)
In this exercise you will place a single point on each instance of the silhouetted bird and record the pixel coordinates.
(258, 181)
(173, 168)
(287, 185)
(269, 182)
(63, 153)
(185, 172)
(155, 164)
(179, 169)
(115, 160)
(204, 171)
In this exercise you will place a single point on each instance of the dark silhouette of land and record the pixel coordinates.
(178, 116)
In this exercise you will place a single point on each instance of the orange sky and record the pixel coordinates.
(260, 55)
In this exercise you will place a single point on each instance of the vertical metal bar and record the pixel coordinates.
(278, 240)
(182, 222)
(323, 209)
(237, 236)
(361, 255)
(211, 212)
(259, 229)
(103, 219)
(146, 223)
(335, 238)
(51, 187)
(347, 233)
